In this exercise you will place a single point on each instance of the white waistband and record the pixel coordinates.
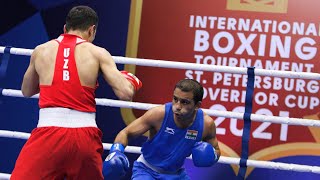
(64, 117)
(156, 169)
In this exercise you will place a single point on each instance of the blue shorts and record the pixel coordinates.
(142, 172)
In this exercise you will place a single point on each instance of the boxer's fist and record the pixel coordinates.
(116, 164)
(204, 155)
(137, 84)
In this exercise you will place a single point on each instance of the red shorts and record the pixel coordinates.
(59, 153)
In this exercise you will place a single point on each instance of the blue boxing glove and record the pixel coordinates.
(116, 164)
(204, 155)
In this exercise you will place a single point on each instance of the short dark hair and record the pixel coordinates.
(187, 85)
(81, 18)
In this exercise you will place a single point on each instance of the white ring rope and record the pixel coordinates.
(216, 113)
(5, 176)
(223, 159)
(192, 66)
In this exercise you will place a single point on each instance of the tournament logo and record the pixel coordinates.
(272, 6)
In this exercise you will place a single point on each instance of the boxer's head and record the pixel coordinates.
(84, 19)
(187, 98)
(190, 85)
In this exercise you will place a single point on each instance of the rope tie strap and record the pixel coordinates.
(5, 62)
(247, 124)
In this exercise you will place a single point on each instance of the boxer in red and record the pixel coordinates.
(67, 143)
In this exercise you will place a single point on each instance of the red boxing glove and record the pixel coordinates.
(137, 84)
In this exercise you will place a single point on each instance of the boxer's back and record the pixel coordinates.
(85, 57)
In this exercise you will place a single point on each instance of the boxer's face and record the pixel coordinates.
(183, 105)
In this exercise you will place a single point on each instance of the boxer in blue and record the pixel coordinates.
(176, 130)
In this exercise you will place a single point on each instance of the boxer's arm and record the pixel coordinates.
(210, 131)
(30, 83)
(151, 119)
(122, 88)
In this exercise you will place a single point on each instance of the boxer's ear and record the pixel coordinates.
(92, 32)
(64, 29)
